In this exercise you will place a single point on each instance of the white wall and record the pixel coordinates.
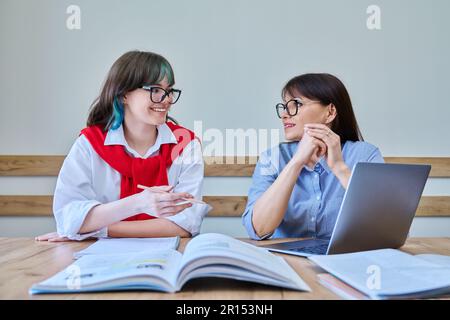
(231, 59)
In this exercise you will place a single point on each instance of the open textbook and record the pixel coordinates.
(207, 255)
(385, 274)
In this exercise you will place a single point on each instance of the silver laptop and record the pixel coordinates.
(377, 211)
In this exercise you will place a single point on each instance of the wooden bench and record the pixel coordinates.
(224, 206)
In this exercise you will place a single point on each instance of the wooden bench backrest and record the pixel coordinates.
(224, 206)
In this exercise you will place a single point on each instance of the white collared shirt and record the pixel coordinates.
(86, 180)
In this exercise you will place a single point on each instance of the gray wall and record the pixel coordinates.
(231, 59)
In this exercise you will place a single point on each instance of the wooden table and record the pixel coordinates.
(24, 262)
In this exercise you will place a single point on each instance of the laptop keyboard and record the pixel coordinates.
(319, 249)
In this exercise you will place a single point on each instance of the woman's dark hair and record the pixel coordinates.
(131, 71)
(327, 89)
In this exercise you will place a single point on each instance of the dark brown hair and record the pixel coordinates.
(131, 71)
(327, 89)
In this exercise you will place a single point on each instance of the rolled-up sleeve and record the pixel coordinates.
(190, 180)
(74, 196)
(264, 175)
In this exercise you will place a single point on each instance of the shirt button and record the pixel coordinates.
(318, 198)
(312, 219)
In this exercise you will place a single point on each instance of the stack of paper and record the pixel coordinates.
(389, 273)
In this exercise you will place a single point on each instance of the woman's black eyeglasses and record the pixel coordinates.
(291, 107)
(158, 94)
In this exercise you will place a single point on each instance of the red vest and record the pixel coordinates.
(148, 172)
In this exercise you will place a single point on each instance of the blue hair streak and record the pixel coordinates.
(117, 117)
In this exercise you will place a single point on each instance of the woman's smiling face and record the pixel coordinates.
(309, 111)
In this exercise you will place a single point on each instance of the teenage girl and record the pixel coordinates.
(131, 172)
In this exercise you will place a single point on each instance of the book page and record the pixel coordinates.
(213, 249)
(438, 259)
(128, 245)
(97, 270)
(385, 272)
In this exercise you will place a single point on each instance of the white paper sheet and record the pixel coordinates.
(128, 245)
(398, 273)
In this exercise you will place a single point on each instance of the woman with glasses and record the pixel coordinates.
(131, 172)
(298, 186)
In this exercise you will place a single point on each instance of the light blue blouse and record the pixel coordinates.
(317, 195)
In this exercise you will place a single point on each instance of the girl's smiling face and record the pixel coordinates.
(139, 107)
